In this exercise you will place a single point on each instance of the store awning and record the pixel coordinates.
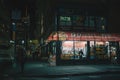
(90, 36)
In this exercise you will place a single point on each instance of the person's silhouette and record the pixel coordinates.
(21, 54)
(80, 54)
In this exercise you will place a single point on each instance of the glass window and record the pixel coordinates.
(86, 24)
(65, 20)
(85, 18)
(80, 46)
(92, 21)
(100, 23)
(67, 50)
(78, 20)
(71, 50)
(99, 50)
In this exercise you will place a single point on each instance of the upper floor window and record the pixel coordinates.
(83, 21)
(65, 20)
(82, 18)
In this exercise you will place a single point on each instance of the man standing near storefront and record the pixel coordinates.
(80, 54)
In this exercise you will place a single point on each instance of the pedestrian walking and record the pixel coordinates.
(21, 56)
(35, 55)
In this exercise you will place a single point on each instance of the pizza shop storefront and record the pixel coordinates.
(66, 47)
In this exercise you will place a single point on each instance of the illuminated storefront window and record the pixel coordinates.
(99, 50)
(71, 49)
(94, 46)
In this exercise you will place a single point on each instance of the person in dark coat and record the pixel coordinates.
(21, 56)
(80, 54)
(36, 54)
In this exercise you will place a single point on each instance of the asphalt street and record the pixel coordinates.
(38, 70)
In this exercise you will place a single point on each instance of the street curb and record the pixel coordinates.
(64, 75)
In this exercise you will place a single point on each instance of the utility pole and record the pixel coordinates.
(26, 25)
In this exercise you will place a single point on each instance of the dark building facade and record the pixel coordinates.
(65, 27)
(81, 25)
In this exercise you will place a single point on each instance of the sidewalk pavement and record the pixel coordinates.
(43, 69)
